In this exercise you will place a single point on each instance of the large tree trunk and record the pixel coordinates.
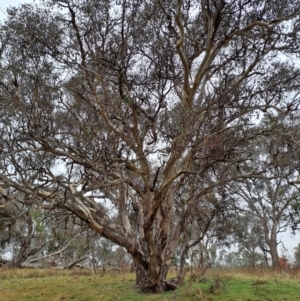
(274, 254)
(153, 279)
(271, 241)
(272, 244)
(151, 248)
(158, 242)
(151, 274)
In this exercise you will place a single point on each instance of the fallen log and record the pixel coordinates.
(72, 264)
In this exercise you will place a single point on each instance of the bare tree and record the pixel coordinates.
(110, 108)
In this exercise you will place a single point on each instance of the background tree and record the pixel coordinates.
(113, 107)
(249, 236)
(21, 231)
(297, 256)
(270, 198)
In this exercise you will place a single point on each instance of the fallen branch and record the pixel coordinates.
(32, 266)
(69, 266)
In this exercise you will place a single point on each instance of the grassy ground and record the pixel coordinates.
(53, 285)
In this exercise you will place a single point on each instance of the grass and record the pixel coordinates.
(56, 285)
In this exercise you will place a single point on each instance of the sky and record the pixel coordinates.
(289, 241)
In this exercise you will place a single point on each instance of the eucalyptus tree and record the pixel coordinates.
(32, 237)
(193, 242)
(21, 232)
(110, 108)
(271, 198)
(249, 237)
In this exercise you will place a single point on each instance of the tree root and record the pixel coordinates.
(170, 286)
